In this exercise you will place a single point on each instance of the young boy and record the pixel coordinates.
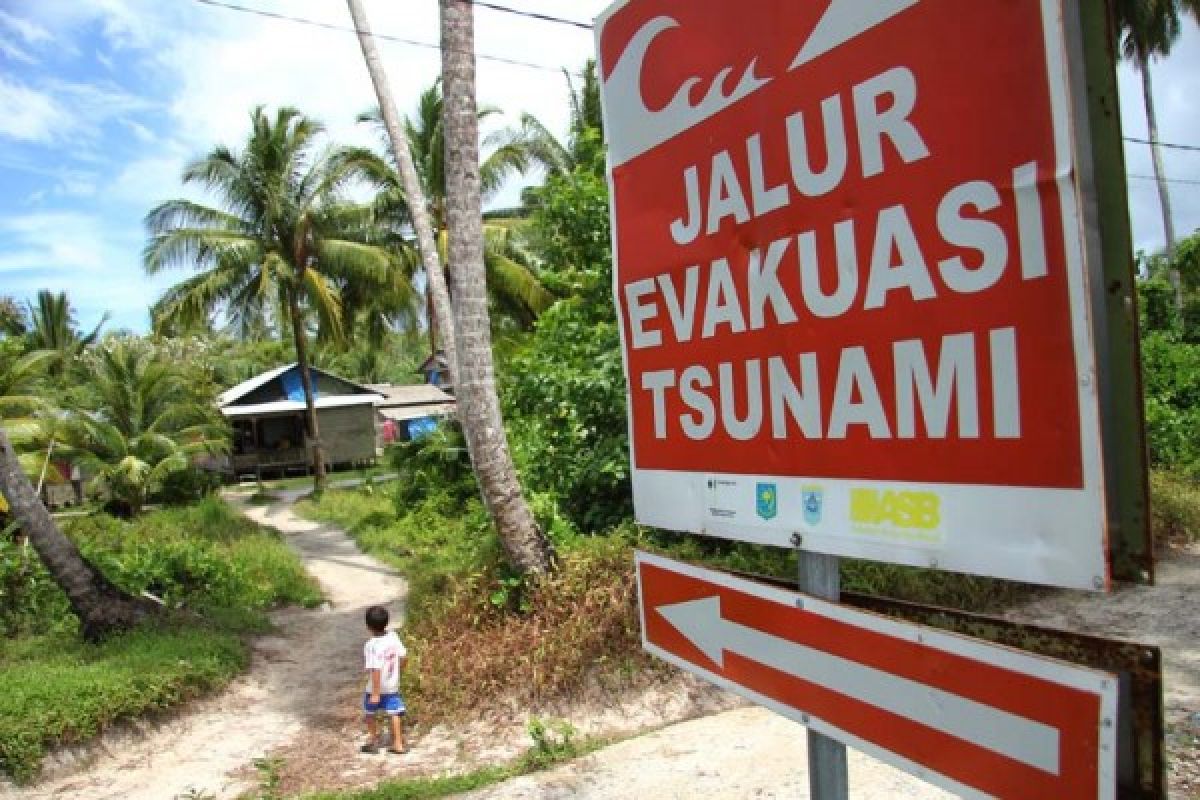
(384, 656)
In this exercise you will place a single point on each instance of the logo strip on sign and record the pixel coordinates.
(975, 718)
(849, 260)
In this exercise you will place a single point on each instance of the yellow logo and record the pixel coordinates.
(888, 508)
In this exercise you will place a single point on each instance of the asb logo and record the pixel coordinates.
(899, 509)
(813, 499)
(766, 500)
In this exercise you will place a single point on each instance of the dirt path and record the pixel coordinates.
(313, 657)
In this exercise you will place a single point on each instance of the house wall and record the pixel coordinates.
(348, 433)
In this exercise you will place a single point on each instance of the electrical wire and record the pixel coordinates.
(532, 14)
(516, 62)
(1168, 180)
(1170, 145)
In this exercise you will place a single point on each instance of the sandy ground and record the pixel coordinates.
(298, 702)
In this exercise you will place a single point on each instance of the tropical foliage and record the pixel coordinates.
(283, 248)
(147, 426)
(516, 293)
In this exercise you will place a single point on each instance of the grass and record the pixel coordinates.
(301, 481)
(224, 570)
(58, 689)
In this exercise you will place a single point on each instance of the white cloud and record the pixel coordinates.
(141, 132)
(58, 111)
(29, 115)
(52, 241)
(29, 31)
(14, 53)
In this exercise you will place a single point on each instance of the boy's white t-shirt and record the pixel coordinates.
(384, 653)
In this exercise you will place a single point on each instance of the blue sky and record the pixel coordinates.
(103, 101)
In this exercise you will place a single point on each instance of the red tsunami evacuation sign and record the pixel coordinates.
(975, 718)
(851, 279)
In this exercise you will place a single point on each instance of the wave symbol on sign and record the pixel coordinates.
(643, 128)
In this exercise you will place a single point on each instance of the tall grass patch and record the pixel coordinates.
(1174, 507)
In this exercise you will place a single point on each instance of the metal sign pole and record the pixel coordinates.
(817, 574)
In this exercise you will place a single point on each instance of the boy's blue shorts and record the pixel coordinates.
(388, 703)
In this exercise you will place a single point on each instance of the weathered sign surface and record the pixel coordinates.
(975, 718)
(851, 280)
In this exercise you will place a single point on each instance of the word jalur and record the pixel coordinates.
(790, 391)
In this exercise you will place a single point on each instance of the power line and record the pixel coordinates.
(532, 14)
(1167, 180)
(1170, 145)
(380, 36)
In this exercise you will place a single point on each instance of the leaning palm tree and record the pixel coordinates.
(283, 245)
(145, 425)
(526, 546)
(52, 327)
(441, 316)
(102, 608)
(1148, 29)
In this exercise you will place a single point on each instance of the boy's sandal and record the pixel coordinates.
(368, 748)
(399, 752)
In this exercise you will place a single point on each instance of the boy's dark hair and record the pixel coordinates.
(377, 619)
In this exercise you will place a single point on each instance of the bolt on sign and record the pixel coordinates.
(852, 280)
(975, 718)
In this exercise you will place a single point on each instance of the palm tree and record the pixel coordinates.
(146, 425)
(102, 608)
(525, 545)
(52, 327)
(284, 247)
(584, 146)
(514, 288)
(22, 400)
(1148, 29)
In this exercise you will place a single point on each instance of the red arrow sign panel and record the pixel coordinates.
(975, 718)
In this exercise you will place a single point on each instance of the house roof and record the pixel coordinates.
(287, 406)
(403, 413)
(413, 394)
(246, 387)
(235, 393)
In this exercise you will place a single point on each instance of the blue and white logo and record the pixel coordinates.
(812, 498)
(766, 500)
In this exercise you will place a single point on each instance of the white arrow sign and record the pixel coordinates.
(1024, 740)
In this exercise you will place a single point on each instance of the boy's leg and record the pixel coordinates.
(372, 734)
(397, 733)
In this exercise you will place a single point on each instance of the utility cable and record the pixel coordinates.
(1170, 145)
(380, 36)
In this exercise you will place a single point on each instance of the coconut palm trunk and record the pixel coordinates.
(1164, 195)
(526, 545)
(102, 608)
(442, 316)
(300, 339)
